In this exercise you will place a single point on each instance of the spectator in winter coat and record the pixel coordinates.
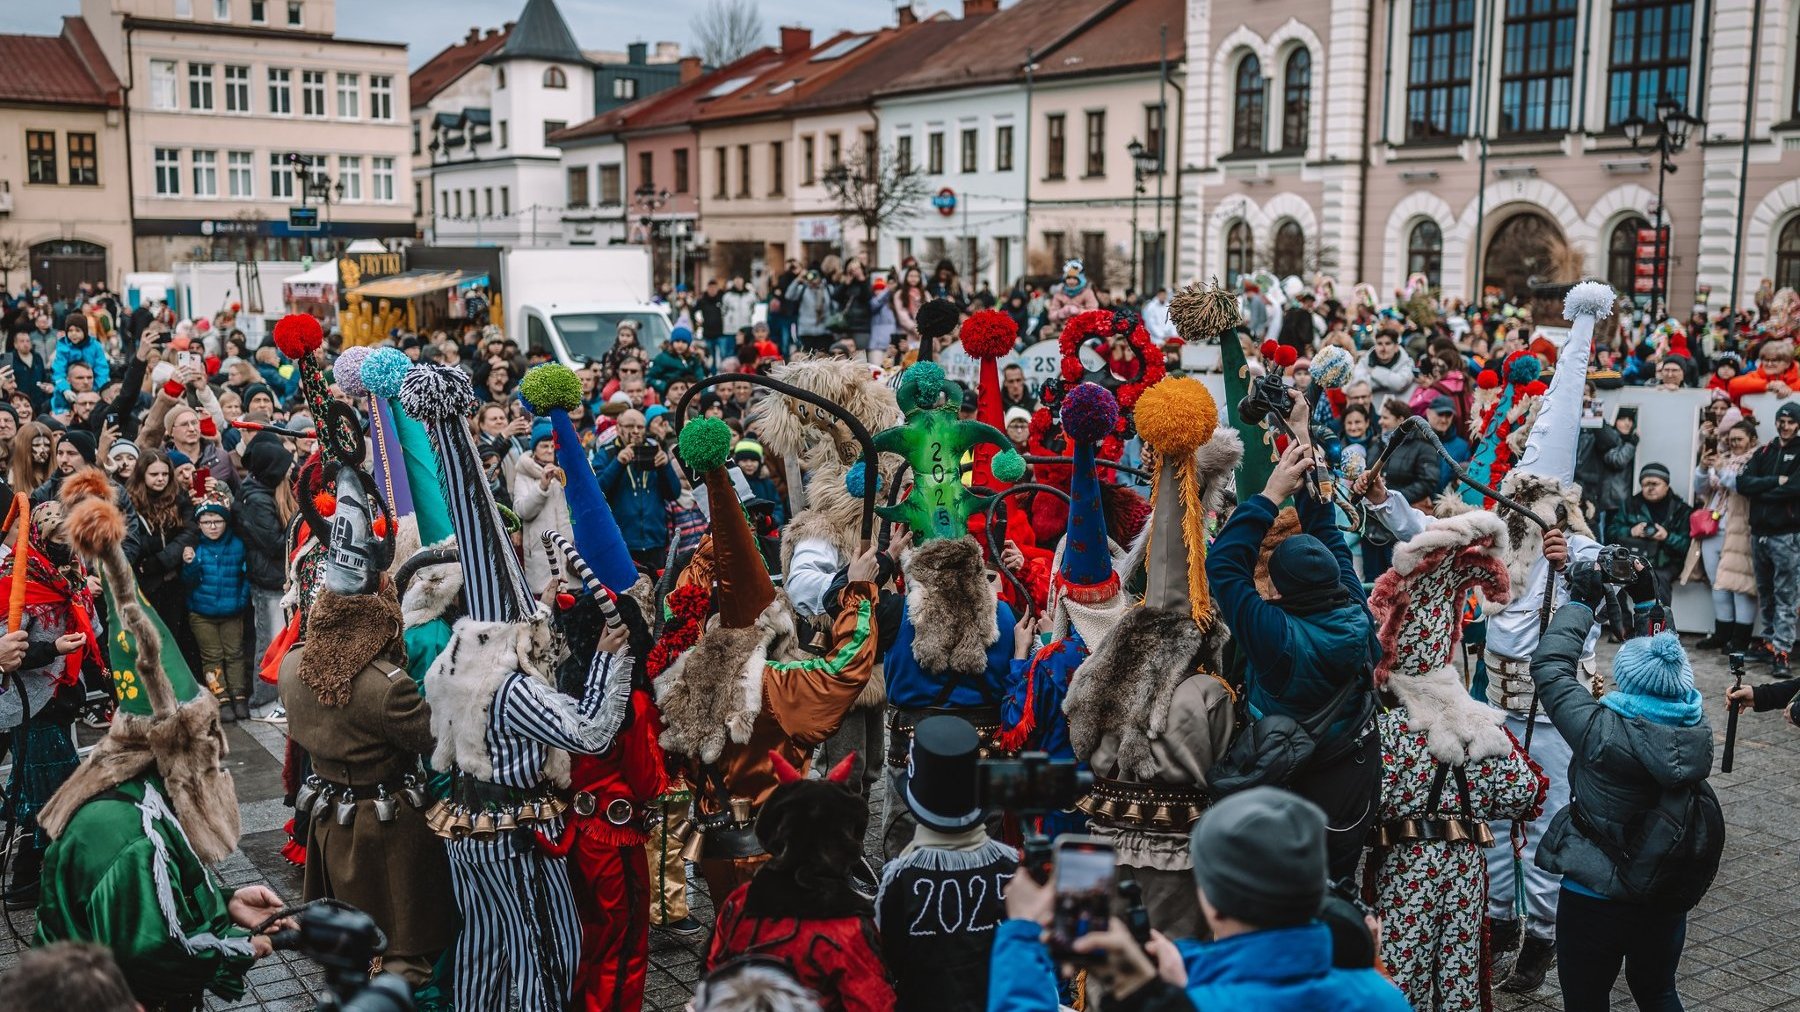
(1654, 523)
(1386, 367)
(537, 494)
(162, 525)
(1604, 455)
(1775, 372)
(709, 313)
(1769, 482)
(677, 360)
(639, 482)
(218, 596)
(77, 346)
(262, 524)
(1412, 469)
(748, 455)
(739, 305)
(1442, 415)
(810, 300)
(31, 371)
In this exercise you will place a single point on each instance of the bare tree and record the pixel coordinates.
(726, 30)
(876, 189)
(14, 256)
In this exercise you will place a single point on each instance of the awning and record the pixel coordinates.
(412, 284)
(319, 274)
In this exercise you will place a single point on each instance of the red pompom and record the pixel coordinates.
(237, 307)
(989, 334)
(565, 601)
(1073, 370)
(1488, 380)
(380, 526)
(212, 365)
(1286, 356)
(325, 503)
(1270, 348)
(298, 335)
(1536, 388)
(173, 388)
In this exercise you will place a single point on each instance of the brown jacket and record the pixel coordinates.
(396, 872)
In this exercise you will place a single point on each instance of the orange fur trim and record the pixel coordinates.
(95, 526)
(86, 483)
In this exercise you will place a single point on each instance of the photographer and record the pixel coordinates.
(1310, 653)
(1259, 868)
(1639, 841)
(1654, 524)
(640, 481)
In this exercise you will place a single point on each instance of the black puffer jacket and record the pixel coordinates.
(1603, 463)
(1412, 470)
(258, 517)
(1620, 767)
(1768, 481)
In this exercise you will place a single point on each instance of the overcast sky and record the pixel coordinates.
(598, 24)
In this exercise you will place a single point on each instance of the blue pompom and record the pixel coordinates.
(383, 370)
(1524, 369)
(856, 480)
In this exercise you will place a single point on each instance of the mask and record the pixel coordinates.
(351, 564)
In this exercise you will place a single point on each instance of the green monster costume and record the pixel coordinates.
(135, 828)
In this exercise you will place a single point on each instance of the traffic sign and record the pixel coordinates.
(303, 219)
(945, 201)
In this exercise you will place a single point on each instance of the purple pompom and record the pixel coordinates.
(1089, 412)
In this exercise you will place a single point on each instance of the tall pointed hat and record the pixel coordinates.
(385, 457)
(987, 337)
(1550, 447)
(494, 588)
(745, 590)
(1085, 572)
(1176, 417)
(550, 390)
(382, 372)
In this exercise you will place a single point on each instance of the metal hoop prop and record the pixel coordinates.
(992, 531)
(858, 431)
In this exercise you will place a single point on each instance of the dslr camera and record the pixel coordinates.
(1031, 783)
(344, 941)
(1269, 399)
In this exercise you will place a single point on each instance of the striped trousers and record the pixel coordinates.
(521, 936)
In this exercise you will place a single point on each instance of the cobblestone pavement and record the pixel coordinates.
(1741, 946)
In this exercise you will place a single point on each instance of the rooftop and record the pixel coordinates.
(451, 63)
(675, 106)
(540, 34)
(66, 69)
(898, 51)
(996, 53)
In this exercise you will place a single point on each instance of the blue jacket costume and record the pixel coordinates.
(217, 580)
(1277, 970)
(1038, 684)
(910, 687)
(88, 352)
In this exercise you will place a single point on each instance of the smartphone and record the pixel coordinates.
(1085, 867)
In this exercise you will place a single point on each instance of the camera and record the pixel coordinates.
(1618, 564)
(1031, 783)
(1269, 399)
(344, 941)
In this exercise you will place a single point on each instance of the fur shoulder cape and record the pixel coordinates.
(462, 682)
(1127, 683)
(954, 613)
(351, 631)
(714, 691)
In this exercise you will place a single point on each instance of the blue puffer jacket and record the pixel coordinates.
(88, 351)
(1281, 970)
(218, 581)
(639, 497)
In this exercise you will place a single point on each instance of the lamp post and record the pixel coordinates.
(1144, 162)
(650, 200)
(1675, 127)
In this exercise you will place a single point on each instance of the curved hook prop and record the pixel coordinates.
(858, 431)
(992, 530)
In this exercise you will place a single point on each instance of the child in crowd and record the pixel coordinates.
(218, 595)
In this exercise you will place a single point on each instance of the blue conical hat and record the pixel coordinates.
(550, 390)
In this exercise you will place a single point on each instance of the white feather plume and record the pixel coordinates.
(1590, 298)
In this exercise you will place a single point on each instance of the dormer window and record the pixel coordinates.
(555, 78)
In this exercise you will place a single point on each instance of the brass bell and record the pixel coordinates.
(304, 797)
(321, 801)
(437, 818)
(1484, 836)
(1159, 816)
(461, 824)
(681, 831)
(346, 809)
(1134, 812)
(1454, 831)
(483, 825)
(506, 822)
(694, 846)
(413, 792)
(386, 805)
(1409, 829)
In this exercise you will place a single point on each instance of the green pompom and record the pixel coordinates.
(928, 377)
(706, 443)
(551, 385)
(1008, 466)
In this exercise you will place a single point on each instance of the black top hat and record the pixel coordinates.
(942, 789)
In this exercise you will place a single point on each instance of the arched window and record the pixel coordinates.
(1621, 253)
(555, 78)
(1425, 251)
(1247, 117)
(1296, 100)
(1787, 255)
(1238, 252)
(1290, 249)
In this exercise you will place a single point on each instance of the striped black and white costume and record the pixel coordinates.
(506, 732)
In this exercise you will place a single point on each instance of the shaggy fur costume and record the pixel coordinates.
(462, 682)
(954, 613)
(714, 691)
(788, 426)
(182, 741)
(434, 591)
(1128, 681)
(1418, 606)
(361, 628)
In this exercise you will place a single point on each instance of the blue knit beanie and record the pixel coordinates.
(1654, 666)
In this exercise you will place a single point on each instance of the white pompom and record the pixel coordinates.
(1590, 298)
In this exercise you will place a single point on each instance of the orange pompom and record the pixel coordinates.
(86, 483)
(325, 503)
(380, 526)
(1177, 415)
(94, 526)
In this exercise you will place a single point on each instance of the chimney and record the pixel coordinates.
(491, 32)
(795, 39)
(473, 36)
(636, 52)
(977, 8)
(908, 15)
(668, 52)
(690, 68)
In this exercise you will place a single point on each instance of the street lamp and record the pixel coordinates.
(1144, 162)
(1675, 128)
(650, 200)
